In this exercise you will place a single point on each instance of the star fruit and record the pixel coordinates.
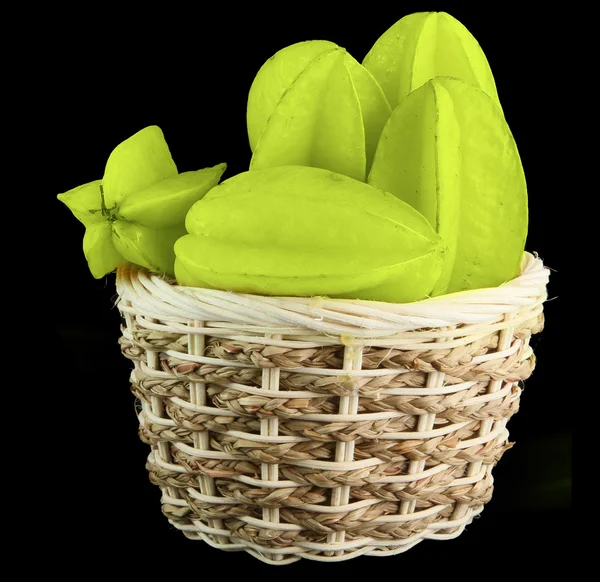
(448, 151)
(302, 231)
(312, 104)
(425, 45)
(137, 211)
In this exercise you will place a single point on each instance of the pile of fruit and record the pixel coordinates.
(392, 180)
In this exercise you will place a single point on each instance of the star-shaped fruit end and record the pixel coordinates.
(137, 211)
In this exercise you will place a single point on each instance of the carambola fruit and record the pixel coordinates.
(274, 78)
(312, 104)
(137, 211)
(301, 231)
(448, 152)
(425, 45)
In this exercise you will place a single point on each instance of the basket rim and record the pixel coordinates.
(143, 293)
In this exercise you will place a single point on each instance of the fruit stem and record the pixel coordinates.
(106, 211)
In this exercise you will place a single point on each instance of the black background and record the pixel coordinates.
(190, 74)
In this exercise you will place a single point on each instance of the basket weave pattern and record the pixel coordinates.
(325, 429)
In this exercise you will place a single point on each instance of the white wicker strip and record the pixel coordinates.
(326, 429)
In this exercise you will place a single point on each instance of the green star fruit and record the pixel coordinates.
(302, 231)
(425, 45)
(136, 164)
(137, 211)
(149, 247)
(99, 250)
(448, 152)
(85, 203)
(273, 80)
(312, 104)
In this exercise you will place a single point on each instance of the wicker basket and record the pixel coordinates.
(326, 429)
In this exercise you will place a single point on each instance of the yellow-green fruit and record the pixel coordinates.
(136, 164)
(166, 202)
(99, 250)
(448, 151)
(301, 231)
(425, 45)
(274, 79)
(149, 247)
(85, 203)
(137, 211)
(312, 104)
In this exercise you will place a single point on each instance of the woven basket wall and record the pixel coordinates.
(325, 429)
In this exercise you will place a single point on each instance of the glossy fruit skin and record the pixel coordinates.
(136, 212)
(274, 78)
(313, 104)
(425, 45)
(448, 151)
(301, 231)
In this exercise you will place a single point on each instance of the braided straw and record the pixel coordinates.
(321, 428)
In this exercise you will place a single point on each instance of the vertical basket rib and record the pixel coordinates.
(325, 429)
(344, 449)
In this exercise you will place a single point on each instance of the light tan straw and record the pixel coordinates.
(322, 428)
